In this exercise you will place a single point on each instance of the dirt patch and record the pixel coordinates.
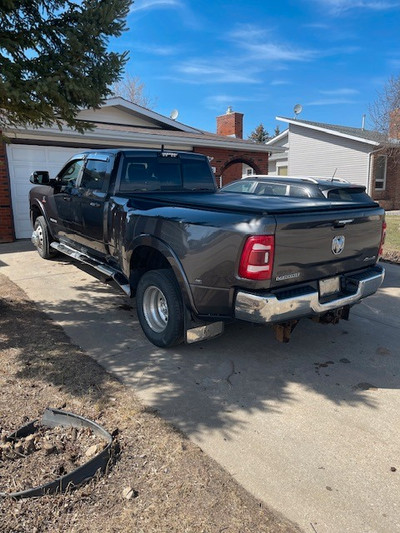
(160, 481)
(45, 455)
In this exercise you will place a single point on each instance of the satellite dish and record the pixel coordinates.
(298, 108)
(174, 114)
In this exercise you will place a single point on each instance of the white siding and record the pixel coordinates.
(315, 153)
(113, 115)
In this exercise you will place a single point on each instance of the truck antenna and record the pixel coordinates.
(334, 174)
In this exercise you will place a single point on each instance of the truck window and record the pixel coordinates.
(142, 174)
(69, 175)
(197, 175)
(349, 194)
(94, 175)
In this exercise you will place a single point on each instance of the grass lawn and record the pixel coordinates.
(392, 241)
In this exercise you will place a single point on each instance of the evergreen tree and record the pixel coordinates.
(259, 135)
(277, 131)
(54, 59)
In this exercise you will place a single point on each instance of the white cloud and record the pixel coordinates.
(341, 6)
(259, 44)
(278, 52)
(200, 71)
(340, 92)
(280, 82)
(216, 101)
(141, 5)
(158, 50)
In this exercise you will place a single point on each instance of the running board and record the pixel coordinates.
(100, 267)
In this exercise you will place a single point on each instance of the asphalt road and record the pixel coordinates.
(311, 427)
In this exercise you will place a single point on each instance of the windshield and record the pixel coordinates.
(166, 173)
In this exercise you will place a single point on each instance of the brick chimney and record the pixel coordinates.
(394, 127)
(230, 124)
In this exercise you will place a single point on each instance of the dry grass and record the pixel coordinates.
(176, 487)
(392, 242)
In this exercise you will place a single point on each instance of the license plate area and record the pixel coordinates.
(329, 286)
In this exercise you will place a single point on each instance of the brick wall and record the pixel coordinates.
(6, 217)
(228, 162)
(389, 199)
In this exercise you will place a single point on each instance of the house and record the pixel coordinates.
(117, 123)
(278, 162)
(358, 155)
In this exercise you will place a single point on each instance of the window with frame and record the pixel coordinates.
(94, 175)
(380, 172)
(69, 175)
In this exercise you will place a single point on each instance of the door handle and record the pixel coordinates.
(67, 198)
(94, 204)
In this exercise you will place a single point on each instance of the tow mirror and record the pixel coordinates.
(40, 177)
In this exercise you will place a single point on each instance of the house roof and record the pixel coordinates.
(155, 128)
(278, 138)
(113, 134)
(358, 134)
(136, 109)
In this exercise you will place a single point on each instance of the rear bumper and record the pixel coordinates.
(305, 300)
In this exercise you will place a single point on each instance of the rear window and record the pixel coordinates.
(240, 186)
(349, 194)
(165, 173)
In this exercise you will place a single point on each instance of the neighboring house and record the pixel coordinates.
(355, 154)
(117, 123)
(278, 162)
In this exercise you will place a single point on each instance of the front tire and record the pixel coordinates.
(160, 308)
(42, 240)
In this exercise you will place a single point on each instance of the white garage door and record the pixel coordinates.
(23, 160)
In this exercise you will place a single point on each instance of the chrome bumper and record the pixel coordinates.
(305, 301)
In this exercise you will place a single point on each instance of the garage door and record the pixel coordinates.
(22, 161)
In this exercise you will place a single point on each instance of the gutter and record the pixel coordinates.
(112, 137)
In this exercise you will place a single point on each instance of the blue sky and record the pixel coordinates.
(262, 58)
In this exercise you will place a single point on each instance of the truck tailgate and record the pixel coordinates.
(317, 245)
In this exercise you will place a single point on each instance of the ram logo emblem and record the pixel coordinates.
(338, 244)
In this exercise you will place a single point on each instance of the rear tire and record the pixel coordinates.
(43, 239)
(160, 308)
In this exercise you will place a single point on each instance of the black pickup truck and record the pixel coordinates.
(196, 258)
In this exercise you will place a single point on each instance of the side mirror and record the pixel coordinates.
(40, 177)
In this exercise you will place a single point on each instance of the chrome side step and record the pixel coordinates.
(108, 270)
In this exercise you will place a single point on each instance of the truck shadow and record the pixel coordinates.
(218, 384)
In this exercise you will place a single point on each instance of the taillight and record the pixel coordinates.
(383, 237)
(257, 257)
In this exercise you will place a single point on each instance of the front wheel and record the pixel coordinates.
(160, 308)
(41, 239)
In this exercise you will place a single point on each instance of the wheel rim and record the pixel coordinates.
(39, 235)
(155, 308)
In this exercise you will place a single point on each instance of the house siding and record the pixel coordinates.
(315, 153)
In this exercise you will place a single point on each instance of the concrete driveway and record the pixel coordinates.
(312, 427)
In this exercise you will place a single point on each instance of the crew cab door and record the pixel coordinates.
(92, 196)
(64, 213)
